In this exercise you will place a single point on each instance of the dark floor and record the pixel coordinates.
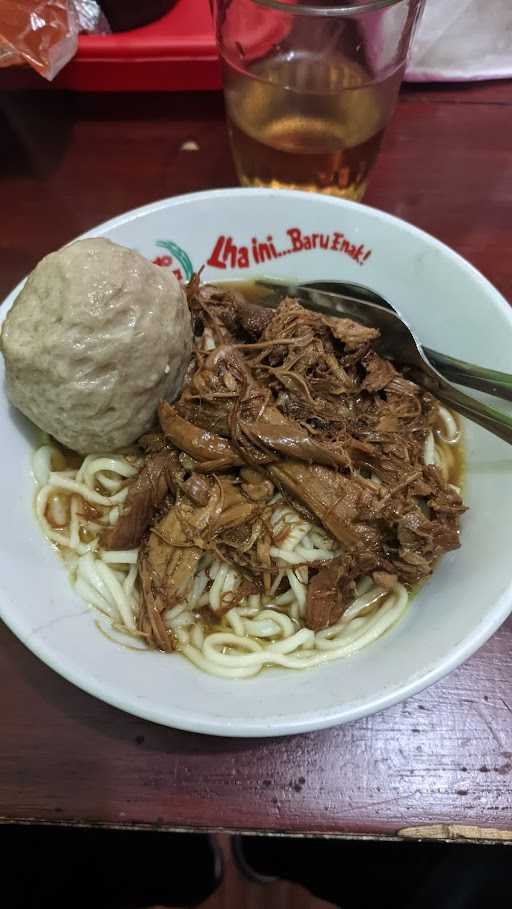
(235, 891)
(75, 868)
(56, 867)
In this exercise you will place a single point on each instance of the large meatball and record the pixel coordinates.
(96, 338)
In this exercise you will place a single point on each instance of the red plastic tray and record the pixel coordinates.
(176, 53)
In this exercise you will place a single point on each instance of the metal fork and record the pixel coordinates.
(399, 342)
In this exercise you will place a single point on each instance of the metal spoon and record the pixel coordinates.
(492, 382)
(399, 342)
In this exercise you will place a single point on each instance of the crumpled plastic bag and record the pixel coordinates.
(44, 33)
(461, 40)
(90, 17)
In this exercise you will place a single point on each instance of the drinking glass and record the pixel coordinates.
(310, 88)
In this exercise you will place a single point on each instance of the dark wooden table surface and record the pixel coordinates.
(441, 758)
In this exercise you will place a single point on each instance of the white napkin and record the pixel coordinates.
(462, 40)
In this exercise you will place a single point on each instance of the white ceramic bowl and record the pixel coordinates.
(454, 309)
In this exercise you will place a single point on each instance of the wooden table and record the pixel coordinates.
(441, 758)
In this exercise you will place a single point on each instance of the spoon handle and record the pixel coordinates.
(494, 383)
(500, 424)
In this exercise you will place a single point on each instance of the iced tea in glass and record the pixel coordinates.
(310, 88)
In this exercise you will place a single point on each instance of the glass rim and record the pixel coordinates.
(341, 9)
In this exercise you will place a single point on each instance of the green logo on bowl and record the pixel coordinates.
(176, 258)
